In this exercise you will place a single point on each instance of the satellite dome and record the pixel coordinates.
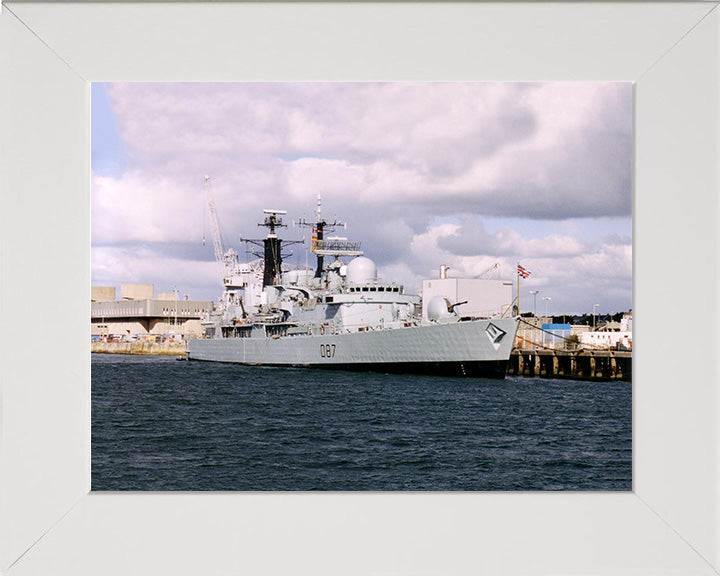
(438, 307)
(361, 270)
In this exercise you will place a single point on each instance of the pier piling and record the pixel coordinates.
(576, 364)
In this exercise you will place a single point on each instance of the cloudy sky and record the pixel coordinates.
(467, 175)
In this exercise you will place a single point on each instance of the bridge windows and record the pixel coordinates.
(374, 289)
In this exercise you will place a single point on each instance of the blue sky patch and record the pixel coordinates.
(107, 150)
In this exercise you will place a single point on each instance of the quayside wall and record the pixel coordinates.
(575, 364)
(141, 348)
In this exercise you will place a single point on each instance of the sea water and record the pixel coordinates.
(162, 424)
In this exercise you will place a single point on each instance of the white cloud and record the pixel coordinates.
(388, 158)
(538, 150)
(575, 273)
(113, 266)
(138, 207)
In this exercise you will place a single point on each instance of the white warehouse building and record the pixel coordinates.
(618, 336)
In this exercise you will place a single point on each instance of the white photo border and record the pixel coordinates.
(49, 522)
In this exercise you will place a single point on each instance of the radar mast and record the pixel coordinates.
(273, 246)
(319, 244)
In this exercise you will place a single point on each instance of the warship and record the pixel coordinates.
(342, 315)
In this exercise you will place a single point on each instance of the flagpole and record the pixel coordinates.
(517, 272)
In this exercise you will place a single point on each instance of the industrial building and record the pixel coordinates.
(540, 332)
(138, 314)
(611, 335)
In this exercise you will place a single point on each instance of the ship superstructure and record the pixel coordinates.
(342, 315)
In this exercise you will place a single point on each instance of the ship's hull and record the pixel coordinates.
(472, 348)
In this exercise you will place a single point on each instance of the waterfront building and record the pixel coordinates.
(556, 335)
(611, 335)
(541, 333)
(139, 315)
(529, 335)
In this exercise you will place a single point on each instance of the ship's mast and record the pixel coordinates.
(271, 255)
(273, 246)
(319, 228)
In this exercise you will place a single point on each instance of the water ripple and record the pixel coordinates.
(159, 424)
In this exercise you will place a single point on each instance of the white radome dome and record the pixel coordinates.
(361, 270)
(438, 308)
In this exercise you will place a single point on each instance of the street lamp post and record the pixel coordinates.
(534, 293)
(176, 307)
(594, 306)
(547, 299)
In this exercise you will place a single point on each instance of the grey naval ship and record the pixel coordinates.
(343, 316)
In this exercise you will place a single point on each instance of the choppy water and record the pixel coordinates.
(161, 424)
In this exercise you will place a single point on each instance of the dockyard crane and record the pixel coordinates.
(485, 275)
(214, 225)
(236, 276)
(489, 272)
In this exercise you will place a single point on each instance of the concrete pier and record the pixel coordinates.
(575, 364)
(141, 348)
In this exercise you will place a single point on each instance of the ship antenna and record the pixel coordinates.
(319, 227)
(272, 246)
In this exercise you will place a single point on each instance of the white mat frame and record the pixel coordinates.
(50, 524)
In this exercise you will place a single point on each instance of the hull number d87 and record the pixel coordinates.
(327, 350)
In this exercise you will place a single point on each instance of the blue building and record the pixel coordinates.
(555, 335)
